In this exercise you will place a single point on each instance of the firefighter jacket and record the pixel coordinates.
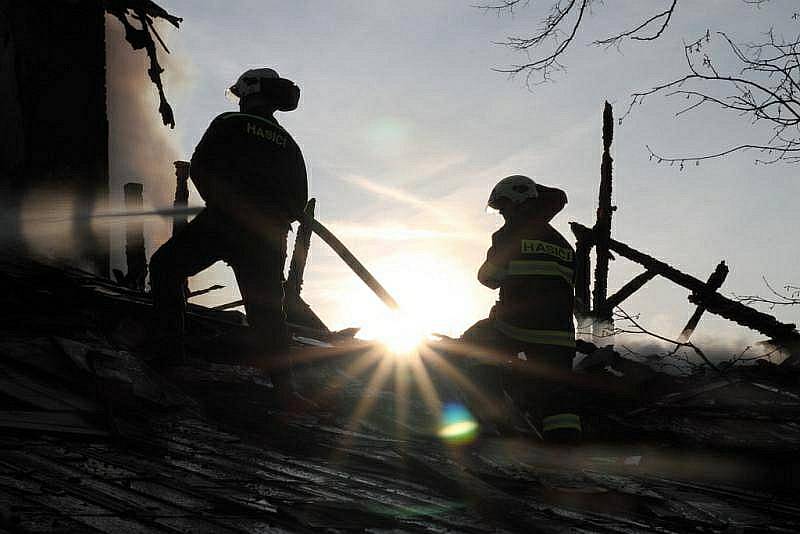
(249, 163)
(533, 265)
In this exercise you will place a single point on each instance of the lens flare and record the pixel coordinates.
(458, 427)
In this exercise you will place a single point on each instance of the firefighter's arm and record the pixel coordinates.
(487, 275)
(211, 161)
(490, 274)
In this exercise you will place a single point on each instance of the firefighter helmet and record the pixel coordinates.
(284, 93)
(516, 188)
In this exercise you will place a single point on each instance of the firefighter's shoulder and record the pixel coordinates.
(558, 238)
(255, 126)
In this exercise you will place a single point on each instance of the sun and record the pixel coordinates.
(435, 293)
(400, 333)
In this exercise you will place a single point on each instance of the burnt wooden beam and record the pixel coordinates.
(602, 228)
(297, 310)
(181, 202)
(229, 305)
(352, 262)
(634, 285)
(205, 291)
(714, 302)
(135, 257)
(715, 281)
(583, 247)
(294, 282)
(181, 195)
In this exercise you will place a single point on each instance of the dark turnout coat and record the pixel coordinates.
(533, 265)
(248, 164)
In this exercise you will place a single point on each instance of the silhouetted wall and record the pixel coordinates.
(53, 120)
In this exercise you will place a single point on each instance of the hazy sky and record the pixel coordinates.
(405, 128)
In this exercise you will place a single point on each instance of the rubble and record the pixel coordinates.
(95, 438)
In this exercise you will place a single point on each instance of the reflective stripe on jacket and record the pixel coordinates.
(562, 421)
(533, 265)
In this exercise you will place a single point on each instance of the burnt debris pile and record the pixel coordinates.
(95, 437)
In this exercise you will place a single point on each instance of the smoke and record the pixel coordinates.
(141, 148)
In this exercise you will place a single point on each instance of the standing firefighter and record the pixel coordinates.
(531, 324)
(252, 176)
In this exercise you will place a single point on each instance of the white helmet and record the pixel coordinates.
(249, 83)
(516, 188)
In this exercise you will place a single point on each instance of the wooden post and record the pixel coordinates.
(294, 282)
(714, 282)
(134, 239)
(583, 247)
(297, 311)
(602, 228)
(181, 195)
(583, 317)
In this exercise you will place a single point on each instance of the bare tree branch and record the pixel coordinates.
(551, 30)
(766, 89)
(665, 17)
(622, 315)
(789, 297)
(561, 25)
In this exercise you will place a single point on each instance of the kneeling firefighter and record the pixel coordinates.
(531, 325)
(251, 174)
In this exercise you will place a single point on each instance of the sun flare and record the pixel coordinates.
(436, 295)
(399, 333)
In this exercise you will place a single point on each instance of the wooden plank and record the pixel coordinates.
(55, 422)
(25, 389)
(19, 392)
(229, 305)
(715, 281)
(205, 291)
(628, 289)
(352, 262)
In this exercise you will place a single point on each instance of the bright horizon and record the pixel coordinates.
(405, 128)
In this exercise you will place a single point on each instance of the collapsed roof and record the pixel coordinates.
(96, 438)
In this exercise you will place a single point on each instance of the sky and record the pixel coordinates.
(405, 127)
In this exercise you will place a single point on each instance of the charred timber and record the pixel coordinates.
(604, 209)
(297, 310)
(181, 195)
(294, 282)
(582, 269)
(626, 291)
(135, 255)
(713, 301)
(352, 262)
(714, 282)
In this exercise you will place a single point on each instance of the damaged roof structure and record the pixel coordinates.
(95, 438)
